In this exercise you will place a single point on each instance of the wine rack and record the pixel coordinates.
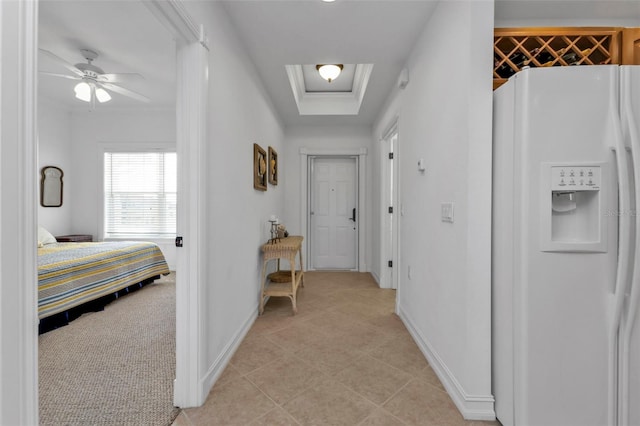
(631, 46)
(515, 48)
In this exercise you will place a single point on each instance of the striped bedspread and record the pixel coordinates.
(70, 274)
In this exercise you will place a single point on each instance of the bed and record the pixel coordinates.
(74, 278)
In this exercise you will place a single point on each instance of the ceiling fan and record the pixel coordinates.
(94, 83)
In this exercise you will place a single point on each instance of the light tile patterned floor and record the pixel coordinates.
(345, 359)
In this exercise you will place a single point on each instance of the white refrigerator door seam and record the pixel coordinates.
(623, 251)
(634, 297)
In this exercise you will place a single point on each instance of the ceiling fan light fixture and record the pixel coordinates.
(83, 91)
(102, 95)
(329, 71)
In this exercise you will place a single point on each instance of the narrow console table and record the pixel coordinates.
(279, 284)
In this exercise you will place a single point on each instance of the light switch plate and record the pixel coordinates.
(447, 212)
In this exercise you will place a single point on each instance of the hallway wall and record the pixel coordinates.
(240, 114)
(445, 270)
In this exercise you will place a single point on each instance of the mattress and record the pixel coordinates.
(70, 274)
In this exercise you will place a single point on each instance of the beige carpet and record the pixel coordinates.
(113, 367)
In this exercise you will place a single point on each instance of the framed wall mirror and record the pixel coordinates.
(51, 187)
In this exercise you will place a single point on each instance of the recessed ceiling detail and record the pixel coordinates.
(315, 96)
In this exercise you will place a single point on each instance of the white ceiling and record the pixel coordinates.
(288, 32)
(276, 33)
(592, 12)
(128, 38)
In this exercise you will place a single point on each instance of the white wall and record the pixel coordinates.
(54, 149)
(91, 133)
(325, 139)
(560, 22)
(445, 118)
(240, 114)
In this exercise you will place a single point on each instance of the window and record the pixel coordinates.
(140, 191)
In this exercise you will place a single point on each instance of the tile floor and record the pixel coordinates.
(344, 359)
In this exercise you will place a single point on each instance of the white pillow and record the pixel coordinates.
(45, 237)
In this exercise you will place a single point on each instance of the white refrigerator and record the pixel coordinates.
(565, 255)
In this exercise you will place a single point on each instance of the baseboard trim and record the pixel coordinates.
(375, 278)
(472, 407)
(218, 366)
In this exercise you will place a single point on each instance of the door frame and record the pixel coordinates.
(192, 52)
(18, 211)
(361, 154)
(390, 249)
(19, 137)
(310, 159)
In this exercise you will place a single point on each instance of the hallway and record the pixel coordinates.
(345, 359)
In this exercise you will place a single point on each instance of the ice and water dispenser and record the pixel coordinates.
(572, 214)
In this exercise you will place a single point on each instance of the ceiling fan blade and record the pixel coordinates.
(70, 77)
(64, 63)
(125, 92)
(120, 77)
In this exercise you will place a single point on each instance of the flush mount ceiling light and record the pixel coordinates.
(328, 1)
(329, 71)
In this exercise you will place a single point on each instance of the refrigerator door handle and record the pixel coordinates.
(624, 230)
(634, 296)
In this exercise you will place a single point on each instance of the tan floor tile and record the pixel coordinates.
(402, 354)
(282, 307)
(333, 322)
(254, 353)
(230, 373)
(235, 403)
(421, 404)
(361, 311)
(329, 355)
(270, 322)
(275, 417)
(334, 363)
(428, 375)
(390, 323)
(297, 337)
(329, 403)
(373, 379)
(358, 336)
(381, 418)
(285, 378)
(182, 420)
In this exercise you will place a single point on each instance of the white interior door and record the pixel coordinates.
(333, 213)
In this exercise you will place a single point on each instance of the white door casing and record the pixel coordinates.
(191, 112)
(334, 215)
(18, 213)
(361, 153)
(389, 197)
(19, 405)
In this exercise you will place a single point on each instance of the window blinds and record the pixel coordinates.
(140, 190)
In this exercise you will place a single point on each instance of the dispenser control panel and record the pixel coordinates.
(576, 178)
(572, 216)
